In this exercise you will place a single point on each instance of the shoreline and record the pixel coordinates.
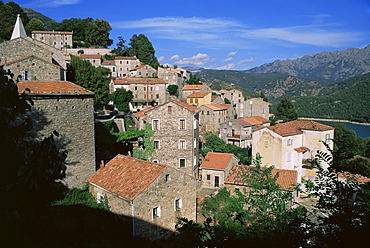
(334, 120)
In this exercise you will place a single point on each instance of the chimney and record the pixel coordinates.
(102, 165)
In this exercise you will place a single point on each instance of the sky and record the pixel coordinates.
(220, 34)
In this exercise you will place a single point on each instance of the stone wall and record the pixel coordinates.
(73, 118)
(211, 119)
(253, 107)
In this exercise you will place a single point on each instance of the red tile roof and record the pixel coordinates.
(223, 106)
(350, 176)
(141, 66)
(296, 127)
(198, 94)
(260, 118)
(90, 56)
(126, 176)
(130, 80)
(52, 88)
(125, 57)
(215, 160)
(301, 149)
(50, 32)
(108, 62)
(193, 86)
(286, 179)
(142, 112)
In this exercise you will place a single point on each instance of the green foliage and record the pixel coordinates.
(34, 24)
(263, 96)
(145, 148)
(216, 144)
(121, 99)
(8, 16)
(33, 165)
(95, 79)
(286, 108)
(121, 49)
(34, 14)
(193, 79)
(142, 48)
(348, 101)
(76, 196)
(227, 101)
(172, 89)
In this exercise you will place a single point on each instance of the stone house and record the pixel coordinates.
(191, 88)
(57, 39)
(253, 107)
(288, 145)
(124, 64)
(215, 99)
(236, 181)
(234, 96)
(199, 98)
(68, 109)
(212, 115)
(149, 195)
(94, 59)
(111, 65)
(185, 73)
(176, 137)
(239, 131)
(143, 71)
(172, 77)
(89, 50)
(146, 91)
(35, 68)
(215, 168)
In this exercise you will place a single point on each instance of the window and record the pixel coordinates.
(182, 162)
(169, 108)
(289, 157)
(182, 124)
(196, 100)
(156, 212)
(182, 144)
(177, 204)
(208, 177)
(263, 111)
(135, 88)
(157, 95)
(156, 161)
(217, 181)
(290, 142)
(144, 88)
(168, 177)
(327, 138)
(155, 124)
(100, 198)
(26, 75)
(156, 144)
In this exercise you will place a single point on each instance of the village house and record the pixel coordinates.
(234, 96)
(212, 115)
(191, 88)
(199, 98)
(68, 109)
(58, 39)
(176, 137)
(253, 107)
(146, 91)
(239, 131)
(151, 196)
(111, 65)
(124, 64)
(172, 77)
(143, 71)
(215, 99)
(89, 50)
(215, 168)
(94, 59)
(287, 145)
(235, 180)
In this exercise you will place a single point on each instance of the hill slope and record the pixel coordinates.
(325, 67)
(34, 14)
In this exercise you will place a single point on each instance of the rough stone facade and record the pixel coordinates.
(72, 116)
(253, 107)
(143, 71)
(94, 59)
(212, 115)
(190, 89)
(125, 64)
(176, 135)
(57, 39)
(234, 96)
(35, 68)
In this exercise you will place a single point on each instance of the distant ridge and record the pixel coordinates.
(34, 14)
(324, 67)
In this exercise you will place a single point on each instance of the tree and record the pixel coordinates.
(121, 49)
(95, 79)
(121, 99)
(145, 148)
(172, 89)
(97, 33)
(193, 79)
(34, 24)
(8, 16)
(227, 101)
(32, 165)
(285, 111)
(263, 96)
(142, 48)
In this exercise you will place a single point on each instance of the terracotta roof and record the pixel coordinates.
(296, 127)
(193, 86)
(142, 112)
(350, 176)
(130, 80)
(51, 32)
(90, 56)
(108, 62)
(141, 66)
(242, 122)
(52, 88)
(260, 118)
(286, 179)
(29, 56)
(215, 160)
(198, 94)
(187, 106)
(223, 106)
(125, 57)
(259, 99)
(301, 149)
(126, 176)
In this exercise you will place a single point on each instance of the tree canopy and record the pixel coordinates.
(8, 16)
(34, 24)
(172, 89)
(142, 48)
(121, 99)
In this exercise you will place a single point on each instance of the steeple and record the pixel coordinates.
(18, 30)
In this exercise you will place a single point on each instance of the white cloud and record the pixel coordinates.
(246, 61)
(228, 59)
(197, 60)
(53, 3)
(161, 59)
(175, 57)
(232, 54)
(226, 67)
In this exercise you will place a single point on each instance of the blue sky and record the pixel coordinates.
(232, 34)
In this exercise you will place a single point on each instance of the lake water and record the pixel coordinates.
(361, 130)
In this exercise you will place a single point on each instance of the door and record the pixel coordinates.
(217, 181)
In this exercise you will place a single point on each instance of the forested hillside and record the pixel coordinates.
(325, 67)
(34, 14)
(350, 101)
